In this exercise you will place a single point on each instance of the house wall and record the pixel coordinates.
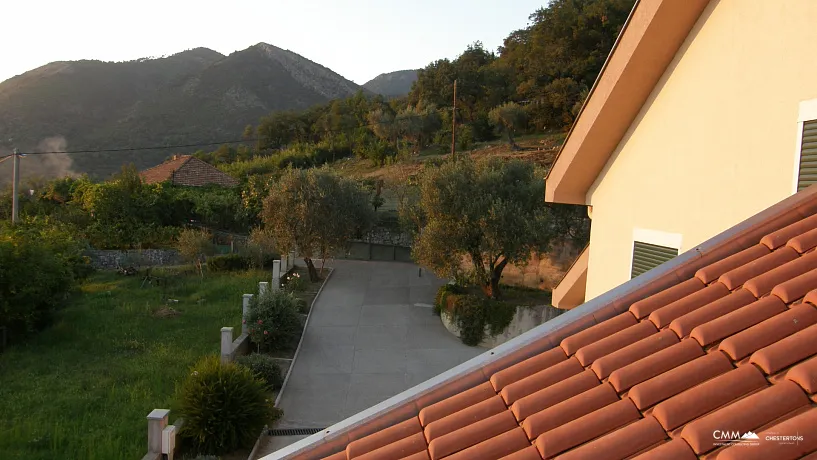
(715, 143)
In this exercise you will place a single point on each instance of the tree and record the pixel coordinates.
(195, 245)
(490, 213)
(316, 213)
(508, 117)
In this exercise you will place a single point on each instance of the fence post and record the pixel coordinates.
(262, 288)
(157, 422)
(226, 344)
(291, 260)
(245, 312)
(285, 262)
(276, 275)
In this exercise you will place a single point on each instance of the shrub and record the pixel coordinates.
(228, 263)
(273, 320)
(473, 313)
(265, 368)
(442, 294)
(224, 406)
(295, 284)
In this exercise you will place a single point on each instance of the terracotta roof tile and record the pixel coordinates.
(189, 171)
(797, 287)
(398, 449)
(684, 325)
(585, 428)
(464, 417)
(801, 425)
(665, 315)
(681, 378)
(644, 369)
(763, 284)
(805, 375)
(769, 331)
(496, 447)
(634, 352)
(718, 329)
(804, 242)
(554, 394)
(780, 237)
(569, 410)
(383, 437)
(788, 351)
(338, 456)
(708, 396)
(471, 435)
(595, 333)
(644, 307)
(527, 367)
(701, 355)
(736, 277)
(589, 353)
(715, 270)
(621, 443)
(540, 380)
(456, 403)
(747, 414)
(528, 453)
(676, 449)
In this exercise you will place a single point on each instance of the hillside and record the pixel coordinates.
(392, 84)
(193, 96)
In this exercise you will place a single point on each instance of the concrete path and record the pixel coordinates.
(367, 340)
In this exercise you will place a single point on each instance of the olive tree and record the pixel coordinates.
(316, 212)
(508, 117)
(489, 213)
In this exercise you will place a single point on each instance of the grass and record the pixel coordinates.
(82, 388)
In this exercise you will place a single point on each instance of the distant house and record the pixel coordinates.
(189, 171)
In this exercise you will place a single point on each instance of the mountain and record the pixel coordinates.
(393, 84)
(194, 96)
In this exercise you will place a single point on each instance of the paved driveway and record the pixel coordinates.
(371, 335)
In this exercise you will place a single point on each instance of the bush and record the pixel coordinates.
(228, 263)
(273, 320)
(472, 314)
(40, 266)
(442, 295)
(265, 368)
(224, 406)
(295, 284)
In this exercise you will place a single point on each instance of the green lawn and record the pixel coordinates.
(82, 388)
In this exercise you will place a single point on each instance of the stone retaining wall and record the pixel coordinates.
(112, 259)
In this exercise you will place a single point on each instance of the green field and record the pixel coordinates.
(81, 389)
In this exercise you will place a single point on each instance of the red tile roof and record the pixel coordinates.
(731, 346)
(187, 170)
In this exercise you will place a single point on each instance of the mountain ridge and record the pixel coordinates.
(392, 84)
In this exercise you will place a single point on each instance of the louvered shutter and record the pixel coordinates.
(808, 156)
(647, 256)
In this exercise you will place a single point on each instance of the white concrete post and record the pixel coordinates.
(262, 288)
(157, 422)
(245, 312)
(276, 275)
(291, 259)
(169, 442)
(285, 262)
(226, 344)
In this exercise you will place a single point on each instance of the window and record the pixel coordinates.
(647, 256)
(652, 248)
(806, 161)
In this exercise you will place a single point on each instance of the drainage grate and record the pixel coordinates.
(294, 431)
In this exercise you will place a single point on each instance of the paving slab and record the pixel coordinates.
(372, 334)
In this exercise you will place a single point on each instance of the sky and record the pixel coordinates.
(358, 39)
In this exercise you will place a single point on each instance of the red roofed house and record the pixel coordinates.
(694, 141)
(187, 170)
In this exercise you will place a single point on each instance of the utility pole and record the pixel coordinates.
(15, 205)
(454, 125)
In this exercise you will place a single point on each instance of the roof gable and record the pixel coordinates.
(722, 337)
(647, 44)
(187, 170)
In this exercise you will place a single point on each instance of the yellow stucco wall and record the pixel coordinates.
(716, 141)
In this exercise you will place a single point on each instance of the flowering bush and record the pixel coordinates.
(273, 321)
(294, 283)
(224, 406)
(264, 367)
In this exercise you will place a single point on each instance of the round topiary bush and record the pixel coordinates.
(265, 368)
(274, 322)
(224, 407)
